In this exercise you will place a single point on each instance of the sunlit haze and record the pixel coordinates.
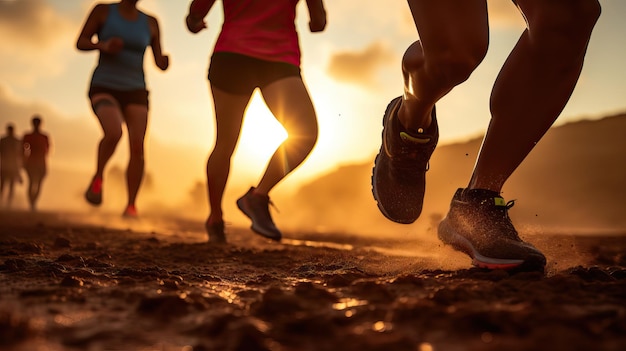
(352, 70)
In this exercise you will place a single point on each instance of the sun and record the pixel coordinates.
(261, 133)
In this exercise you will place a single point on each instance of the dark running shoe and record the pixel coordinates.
(215, 232)
(478, 224)
(93, 195)
(256, 207)
(399, 174)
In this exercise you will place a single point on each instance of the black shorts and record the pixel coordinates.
(124, 98)
(241, 74)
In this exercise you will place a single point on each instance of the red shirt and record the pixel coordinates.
(260, 28)
(36, 147)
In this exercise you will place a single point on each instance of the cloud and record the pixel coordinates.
(36, 38)
(360, 67)
(31, 23)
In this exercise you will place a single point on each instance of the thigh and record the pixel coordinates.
(229, 112)
(109, 113)
(451, 27)
(36, 172)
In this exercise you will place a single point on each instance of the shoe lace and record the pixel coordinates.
(410, 156)
(263, 204)
(408, 161)
(270, 203)
(500, 216)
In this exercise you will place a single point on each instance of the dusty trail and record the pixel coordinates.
(66, 285)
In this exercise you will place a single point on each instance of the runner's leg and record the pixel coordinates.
(136, 117)
(454, 37)
(534, 85)
(229, 111)
(289, 101)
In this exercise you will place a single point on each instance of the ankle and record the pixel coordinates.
(414, 119)
(261, 193)
(212, 220)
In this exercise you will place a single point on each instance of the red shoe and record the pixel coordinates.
(93, 195)
(130, 212)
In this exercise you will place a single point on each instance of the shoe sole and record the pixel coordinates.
(374, 179)
(450, 237)
(376, 197)
(243, 208)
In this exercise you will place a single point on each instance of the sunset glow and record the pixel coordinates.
(351, 70)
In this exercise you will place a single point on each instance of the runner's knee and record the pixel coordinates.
(450, 70)
(136, 149)
(112, 135)
(569, 20)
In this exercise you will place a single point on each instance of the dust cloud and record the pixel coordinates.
(563, 188)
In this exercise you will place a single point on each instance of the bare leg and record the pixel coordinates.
(35, 179)
(31, 191)
(534, 85)
(289, 101)
(11, 187)
(136, 121)
(229, 111)
(454, 37)
(110, 116)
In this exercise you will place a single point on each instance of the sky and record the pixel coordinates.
(352, 70)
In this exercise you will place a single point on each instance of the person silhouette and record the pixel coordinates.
(257, 48)
(36, 147)
(10, 163)
(529, 94)
(117, 90)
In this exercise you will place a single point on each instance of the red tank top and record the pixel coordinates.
(36, 147)
(260, 28)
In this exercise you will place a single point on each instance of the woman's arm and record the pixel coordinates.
(92, 25)
(317, 15)
(162, 61)
(197, 11)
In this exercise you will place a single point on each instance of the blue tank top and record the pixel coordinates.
(123, 71)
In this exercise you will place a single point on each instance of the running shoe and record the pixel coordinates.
(215, 232)
(256, 207)
(93, 195)
(130, 212)
(478, 224)
(399, 174)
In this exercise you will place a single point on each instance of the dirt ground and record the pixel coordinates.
(66, 284)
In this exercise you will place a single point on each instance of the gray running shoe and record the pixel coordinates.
(478, 224)
(256, 207)
(399, 174)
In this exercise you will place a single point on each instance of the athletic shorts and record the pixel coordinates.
(123, 98)
(241, 74)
